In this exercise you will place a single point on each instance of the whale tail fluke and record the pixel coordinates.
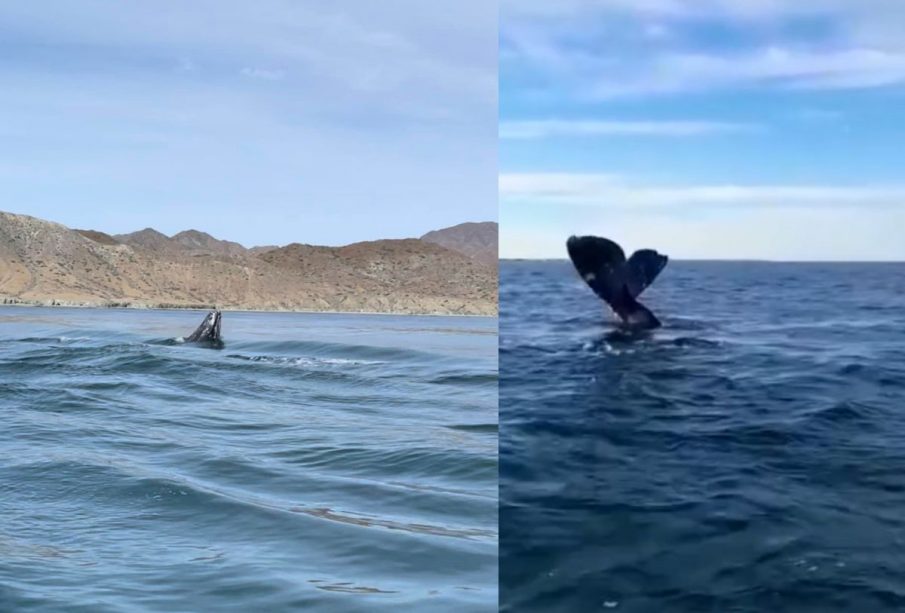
(636, 315)
(617, 281)
(642, 268)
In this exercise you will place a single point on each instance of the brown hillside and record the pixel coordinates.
(479, 241)
(203, 243)
(150, 239)
(98, 237)
(44, 261)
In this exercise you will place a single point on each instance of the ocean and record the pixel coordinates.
(748, 456)
(318, 462)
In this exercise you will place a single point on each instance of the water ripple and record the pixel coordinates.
(321, 462)
(746, 457)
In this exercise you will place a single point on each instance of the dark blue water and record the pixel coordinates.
(749, 456)
(318, 462)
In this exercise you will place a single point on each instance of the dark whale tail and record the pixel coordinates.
(636, 315)
(617, 281)
(208, 333)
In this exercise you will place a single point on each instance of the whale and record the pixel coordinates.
(616, 280)
(208, 333)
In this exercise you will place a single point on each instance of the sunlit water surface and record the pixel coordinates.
(317, 462)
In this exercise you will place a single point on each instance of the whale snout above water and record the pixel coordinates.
(208, 333)
(617, 281)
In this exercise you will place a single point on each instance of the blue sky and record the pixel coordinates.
(765, 129)
(261, 122)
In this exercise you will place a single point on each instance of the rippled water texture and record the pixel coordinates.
(749, 456)
(317, 462)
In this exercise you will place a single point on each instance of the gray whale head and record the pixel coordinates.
(208, 333)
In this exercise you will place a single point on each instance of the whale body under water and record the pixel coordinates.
(208, 333)
(617, 281)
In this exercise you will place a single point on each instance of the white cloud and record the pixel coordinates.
(544, 186)
(620, 57)
(547, 128)
(747, 10)
(609, 191)
(578, 53)
(846, 68)
(538, 211)
(772, 66)
(846, 234)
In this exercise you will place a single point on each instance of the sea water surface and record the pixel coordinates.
(317, 462)
(748, 456)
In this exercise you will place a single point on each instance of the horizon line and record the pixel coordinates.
(728, 260)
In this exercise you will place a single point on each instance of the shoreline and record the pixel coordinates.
(55, 304)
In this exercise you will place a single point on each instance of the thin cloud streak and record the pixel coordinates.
(577, 52)
(776, 66)
(608, 191)
(837, 234)
(551, 128)
(744, 11)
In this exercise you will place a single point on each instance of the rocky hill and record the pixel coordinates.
(148, 239)
(98, 237)
(45, 262)
(263, 248)
(202, 243)
(479, 241)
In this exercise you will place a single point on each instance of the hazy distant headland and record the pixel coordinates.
(448, 271)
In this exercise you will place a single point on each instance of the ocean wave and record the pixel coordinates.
(140, 465)
(746, 456)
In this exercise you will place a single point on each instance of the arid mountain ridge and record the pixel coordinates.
(479, 241)
(448, 271)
